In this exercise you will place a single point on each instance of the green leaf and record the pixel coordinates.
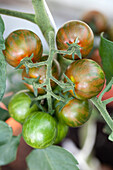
(4, 114)
(51, 158)
(111, 137)
(106, 53)
(2, 61)
(5, 132)
(8, 151)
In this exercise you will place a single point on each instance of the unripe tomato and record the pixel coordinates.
(19, 106)
(96, 20)
(62, 130)
(69, 32)
(20, 44)
(87, 76)
(39, 130)
(75, 113)
(41, 71)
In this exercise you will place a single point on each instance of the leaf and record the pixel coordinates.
(4, 114)
(106, 53)
(111, 137)
(8, 151)
(5, 132)
(2, 61)
(51, 158)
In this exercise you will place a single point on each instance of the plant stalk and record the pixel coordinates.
(23, 15)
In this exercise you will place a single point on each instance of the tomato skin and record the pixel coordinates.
(96, 20)
(87, 76)
(41, 71)
(20, 44)
(39, 130)
(69, 32)
(75, 113)
(19, 106)
(62, 130)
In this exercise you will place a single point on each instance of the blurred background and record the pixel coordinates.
(98, 149)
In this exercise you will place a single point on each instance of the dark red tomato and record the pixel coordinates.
(87, 76)
(75, 113)
(96, 20)
(41, 71)
(70, 31)
(20, 44)
(96, 57)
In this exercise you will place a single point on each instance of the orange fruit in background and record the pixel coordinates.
(16, 126)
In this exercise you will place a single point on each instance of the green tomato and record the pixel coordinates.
(39, 130)
(62, 132)
(19, 106)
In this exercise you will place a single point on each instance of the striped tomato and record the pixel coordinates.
(41, 71)
(20, 106)
(62, 130)
(87, 76)
(70, 31)
(39, 130)
(75, 113)
(20, 44)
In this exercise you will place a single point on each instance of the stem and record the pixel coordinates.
(42, 19)
(108, 101)
(101, 107)
(40, 97)
(31, 65)
(27, 16)
(49, 71)
(106, 89)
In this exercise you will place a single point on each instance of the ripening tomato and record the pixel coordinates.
(75, 113)
(39, 130)
(96, 20)
(87, 76)
(19, 106)
(20, 44)
(62, 130)
(96, 57)
(41, 71)
(69, 32)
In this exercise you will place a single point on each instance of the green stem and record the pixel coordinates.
(31, 65)
(42, 19)
(27, 16)
(102, 108)
(108, 101)
(49, 70)
(106, 89)
(40, 97)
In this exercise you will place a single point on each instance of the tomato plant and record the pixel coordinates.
(96, 20)
(68, 34)
(87, 76)
(41, 73)
(75, 113)
(84, 79)
(39, 130)
(20, 44)
(19, 106)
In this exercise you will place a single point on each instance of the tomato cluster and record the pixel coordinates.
(41, 129)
